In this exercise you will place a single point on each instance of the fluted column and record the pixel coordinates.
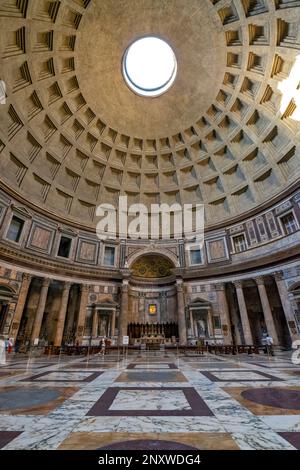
(269, 320)
(82, 313)
(224, 313)
(40, 310)
(286, 305)
(243, 312)
(62, 314)
(95, 324)
(123, 317)
(15, 325)
(181, 312)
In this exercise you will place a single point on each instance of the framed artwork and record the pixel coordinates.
(152, 309)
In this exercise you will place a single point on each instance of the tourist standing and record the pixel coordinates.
(269, 344)
(9, 345)
(2, 351)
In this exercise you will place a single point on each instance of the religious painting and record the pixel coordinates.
(152, 310)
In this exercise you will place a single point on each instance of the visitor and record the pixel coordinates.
(269, 345)
(264, 342)
(9, 345)
(2, 351)
(103, 345)
(17, 346)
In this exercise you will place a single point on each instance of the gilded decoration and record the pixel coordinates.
(152, 267)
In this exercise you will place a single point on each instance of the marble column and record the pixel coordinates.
(192, 322)
(95, 324)
(113, 323)
(210, 323)
(123, 317)
(243, 312)
(82, 313)
(224, 314)
(286, 306)
(70, 322)
(181, 313)
(62, 314)
(40, 310)
(15, 325)
(142, 308)
(269, 320)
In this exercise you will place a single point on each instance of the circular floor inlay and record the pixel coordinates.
(149, 66)
(26, 398)
(279, 398)
(147, 445)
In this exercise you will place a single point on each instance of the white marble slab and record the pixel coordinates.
(150, 400)
(226, 375)
(282, 423)
(261, 441)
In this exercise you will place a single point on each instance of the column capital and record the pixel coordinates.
(238, 284)
(84, 288)
(260, 280)
(220, 286)
(179, 285)
(26, 277)
(278, 276)
(67, 285)
(125, 285)
(46, 282)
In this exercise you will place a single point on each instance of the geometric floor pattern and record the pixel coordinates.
(150, 401)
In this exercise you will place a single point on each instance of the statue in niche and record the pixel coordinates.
(103, 324)
(202, 327)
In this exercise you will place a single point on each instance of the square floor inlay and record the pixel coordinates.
(63, 376)
(93, 366)
(148, 365)
(238, 376)
(26, 365)
(150, 401)
(216, 365)
(153, 376)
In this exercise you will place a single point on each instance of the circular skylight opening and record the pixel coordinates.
(149, 66)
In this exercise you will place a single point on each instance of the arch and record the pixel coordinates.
(164, 253)
(152, 266)
(295, 286)
(6, 291)
(199, 300)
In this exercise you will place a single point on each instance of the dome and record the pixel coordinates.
(74, 135)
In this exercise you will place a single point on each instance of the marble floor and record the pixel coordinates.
(150, 401)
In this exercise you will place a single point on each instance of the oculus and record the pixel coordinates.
(149, 66)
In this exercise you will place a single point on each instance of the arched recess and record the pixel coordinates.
(167, 254)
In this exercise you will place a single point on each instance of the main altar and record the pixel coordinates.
(152, 333)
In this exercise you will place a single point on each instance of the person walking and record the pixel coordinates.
(2, 351)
